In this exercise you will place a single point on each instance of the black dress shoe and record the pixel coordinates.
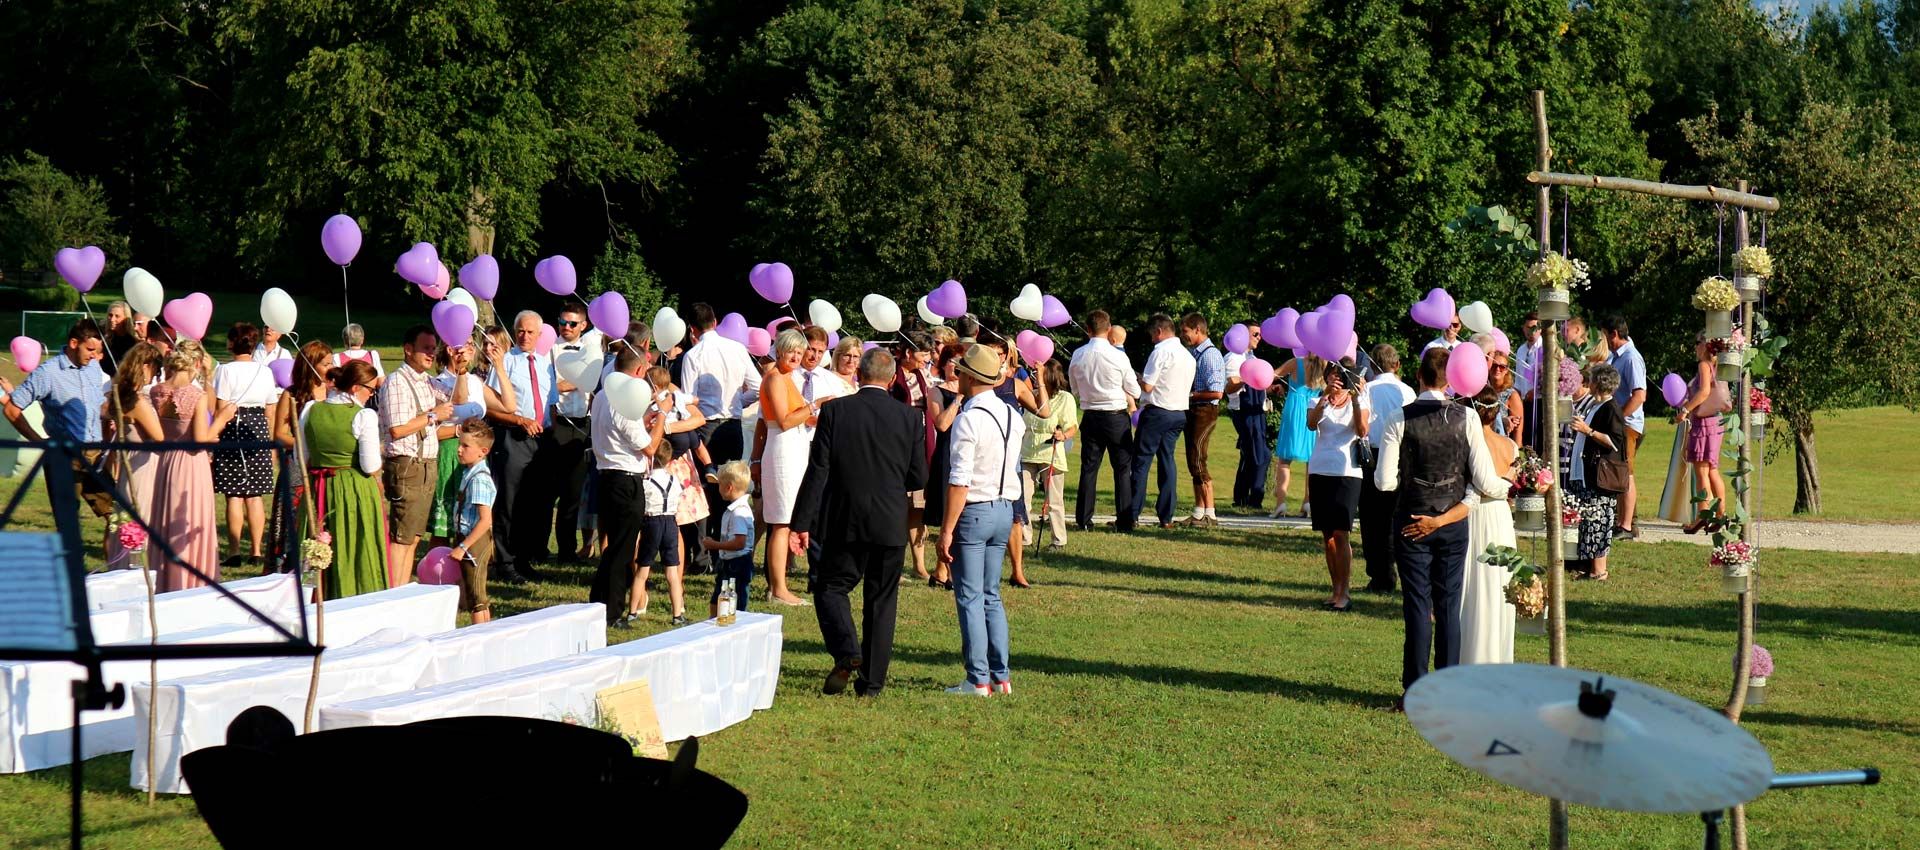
(838, 676)
(508, 576)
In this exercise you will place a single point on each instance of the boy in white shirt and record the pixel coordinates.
(659, 538)
(735, 543)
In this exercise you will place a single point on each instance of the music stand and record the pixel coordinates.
(43, 605)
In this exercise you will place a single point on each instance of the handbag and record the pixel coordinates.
(1610, 474)
(1363, 453)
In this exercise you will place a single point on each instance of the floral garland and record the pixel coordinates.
(1557, 272)
(1754, 261)
(1715, 294)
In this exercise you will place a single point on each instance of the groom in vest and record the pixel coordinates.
(1430, 451)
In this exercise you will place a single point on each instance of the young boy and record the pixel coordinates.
(735, 543)
(473, 529)
(659, 538)
(678, 410)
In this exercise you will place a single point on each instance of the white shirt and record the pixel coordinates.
(476, 404)
(1333, 440)
(1526, 362)
(264, 355)
(661, 492)
(1101, 377)
(245, 384)
(1385, 392)
(1234, 362)
(573, 404)
(1170, 368)
(737, 522)
(987, 436)
(1441, 342)
(366, 429)
(718, 371)
(619, 444)
(1393, 425)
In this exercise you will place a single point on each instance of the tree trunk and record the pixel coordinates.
(1806, 472)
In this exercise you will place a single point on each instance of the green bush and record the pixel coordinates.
(621, 269)
(62, 297)
(43, 209)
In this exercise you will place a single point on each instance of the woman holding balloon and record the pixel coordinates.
(1706, 398)
(1338, 420)
(1301, 381)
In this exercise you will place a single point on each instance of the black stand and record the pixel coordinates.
(1861, 776)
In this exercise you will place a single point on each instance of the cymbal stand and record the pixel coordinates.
(1860, 776)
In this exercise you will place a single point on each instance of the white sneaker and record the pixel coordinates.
(970, 690)
(1004, 689)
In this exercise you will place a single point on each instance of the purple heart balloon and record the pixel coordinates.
(1435, 311)
(1236, 339)
(1286, 329)
(282, 370)
(733, 327)
(1052, 313)
(609, 314)
(80, 267)
(340, 238)
(420, 265)
(1674, 389)
(774, 283)
(1307, 330)
(558, 277)
(482, 277)
(1336, 331)
(453, 321)
(949, 300)
(1342, 303)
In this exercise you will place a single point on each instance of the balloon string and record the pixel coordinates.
(1720, 239)
(1566, 222)
(346, 308)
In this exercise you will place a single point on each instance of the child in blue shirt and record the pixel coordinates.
(735, 543)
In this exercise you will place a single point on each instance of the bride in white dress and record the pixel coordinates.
(1486, 617)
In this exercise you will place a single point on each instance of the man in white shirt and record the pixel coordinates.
(1167, 386)
(1104, 383)
(1430, 451)
(1447, 338)
(1385, 391)
(572, 428)
(982, 483)
(721, 376)
(818, 382)
(1526, 376)
(1248, 407)
(622, 449)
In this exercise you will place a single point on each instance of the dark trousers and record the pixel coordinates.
(1159, 432)
(623, 514)
(1377, 532)
(572, 441)
(1431, 570)
(724, 443)
(514, 504)
(844, 566)
(1250, 479)
(1104, 432)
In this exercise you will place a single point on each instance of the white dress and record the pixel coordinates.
(1486, 617)
(783, 462)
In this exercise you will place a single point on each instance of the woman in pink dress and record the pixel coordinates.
(183, 497)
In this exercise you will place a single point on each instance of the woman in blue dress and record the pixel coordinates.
(1300, 382)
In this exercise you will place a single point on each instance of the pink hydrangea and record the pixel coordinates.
(1569, 377)
(1762, 662)
(132, 537)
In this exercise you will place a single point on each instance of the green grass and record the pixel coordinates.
(1181, 689)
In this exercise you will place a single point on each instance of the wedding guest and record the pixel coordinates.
(1167, 387)
(139, 367)
(982, 484)
(682, 421)
(473, 525)
(1707, 398)
(1203, 411)
(1043, 460)
(735, 542)
(1632, 399)
(353, 340)
(571, 436)
(939, 465)
(269, 349)
(1248, 407)
(1103, 381)
(912, 387)
(1020, 393)
(121, 335)
(342, 437)
(519, 537)
(183, 509)
(1338, 420)
(1300, 382)
(71, 390)
(782, 458)
(722, 375)
(412, 410)
(309, 385)
(1385, 391)
(245, 476)
(1486, 618)
(1447, 339)
(941, 337)
(1527, 360)
(1600, 432)
(846, 361)
(661, 492)
(1509, 413)
(623, 449)
(818, 382)
(1118, 336)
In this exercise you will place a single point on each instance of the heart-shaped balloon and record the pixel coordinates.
(438, 567)
(459, 295)
(774, 282)
(544, 343)
(1500, 341)
(759, 342)
(1336, 334)
(143, 291)
(1341, 302)
(1307, 330)
(580, 368)
(481, 276)
(780, 322)
(420, 265)
(881, 313)
(825, 316)
(442, 281)
(926, 312)
(1477, 317)
(609, 314)
(277, 309)
(868, 346)
(1257, 373)
(629, 396)
(555, 274)
(80, 267)
(1027, 304)
(948, 300)
(340, 238)
(733, 327)
(668, 329)
(1282, 331)
(1434, 311)
(1236, 339)
(189, 316)
(1053, 313)
(1466, 370)
(1036, 348)
(454, 323)
(1352, 350)
(1673, 388)
(282, 370)
(27, 352)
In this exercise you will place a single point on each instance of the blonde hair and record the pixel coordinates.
(735, 477)
(1314, 374)
(659, 377)
(188, 356)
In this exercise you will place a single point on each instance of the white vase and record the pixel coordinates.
(1554, 305)
(1756, 690)
(1748, 287)
(1719, 324)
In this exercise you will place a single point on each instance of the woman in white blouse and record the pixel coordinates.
(1338, 420)
(244, 476)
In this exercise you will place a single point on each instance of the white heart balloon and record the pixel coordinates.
(927, 315)
(1478, 317)
(579, 368)
(1028, 305)
(628, 395)
(461, 296)
(276, 309)
(143, 291)
(881, 313)
(825, 316)
(668, 329)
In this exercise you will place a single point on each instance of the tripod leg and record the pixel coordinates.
(77, 769)
(1712, 821)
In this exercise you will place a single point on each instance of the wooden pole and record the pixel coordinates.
(1743, 651)
(1738, 199)
(1547, 380)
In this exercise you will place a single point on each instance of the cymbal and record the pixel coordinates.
(1621, 745)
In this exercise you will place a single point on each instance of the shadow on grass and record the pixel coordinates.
(1761, 715)
(94, 832)
(1797, 620)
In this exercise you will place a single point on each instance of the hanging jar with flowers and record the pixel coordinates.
(1570, 380)
(1715, 296)
(1762, 407)
(1752, 265)
(1531, 481)
(1730, 355)
(1735, 558)
(1757, 672)
(1554, 278)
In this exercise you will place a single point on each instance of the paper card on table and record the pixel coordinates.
(630, 706)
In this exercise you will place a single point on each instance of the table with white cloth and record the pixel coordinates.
(516, 641)
(107, 588)
(704, 677)
(125, 621)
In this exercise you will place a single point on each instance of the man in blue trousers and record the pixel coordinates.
(1166, 386)
(1248, 407)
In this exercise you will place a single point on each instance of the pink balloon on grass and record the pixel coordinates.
(481, 276)
(340, 239)
(1467, 370)
(27, 352)
(438, 566)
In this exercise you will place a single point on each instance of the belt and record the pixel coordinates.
(623, 472)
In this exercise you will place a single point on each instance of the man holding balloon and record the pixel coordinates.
(1203, 411)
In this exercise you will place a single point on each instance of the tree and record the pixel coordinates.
(42, 210)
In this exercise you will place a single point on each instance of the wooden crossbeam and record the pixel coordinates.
(1664, 190)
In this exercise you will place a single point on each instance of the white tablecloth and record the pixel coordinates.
(36, 697)
(125, 621)
(113, 586)
(704, 677)
(194, 711)
(516, 641)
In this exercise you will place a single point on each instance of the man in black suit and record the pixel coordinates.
(868, 452)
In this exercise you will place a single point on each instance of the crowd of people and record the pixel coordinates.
(846, 454)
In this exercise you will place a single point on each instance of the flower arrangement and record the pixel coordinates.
(1524, 589)
(1762, 665)
(1734, 557)
(132, 537)
(1531, 475)
(1759, 400)
(1557, 272)
(1569, 515)
(1570, 379)
(1735, 342)
(1715, 294)
(1754, 261)
(317, 551)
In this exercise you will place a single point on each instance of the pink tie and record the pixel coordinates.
(533, 374)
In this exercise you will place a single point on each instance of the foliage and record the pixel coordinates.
(1500, 232)
(43, 209)
(621, 269)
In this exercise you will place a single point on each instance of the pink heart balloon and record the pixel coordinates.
(26, 352)
(544, 343)
(441, 282)
(1434, 311)
(189, 316)
(420, 265)
(438, 567)
(453, 322)
(1257, 373)
(759, 342)
(1466, 370)
(1500, 342)
(80, 267)
(1036, 348)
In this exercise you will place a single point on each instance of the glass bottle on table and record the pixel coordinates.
(725, 611)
